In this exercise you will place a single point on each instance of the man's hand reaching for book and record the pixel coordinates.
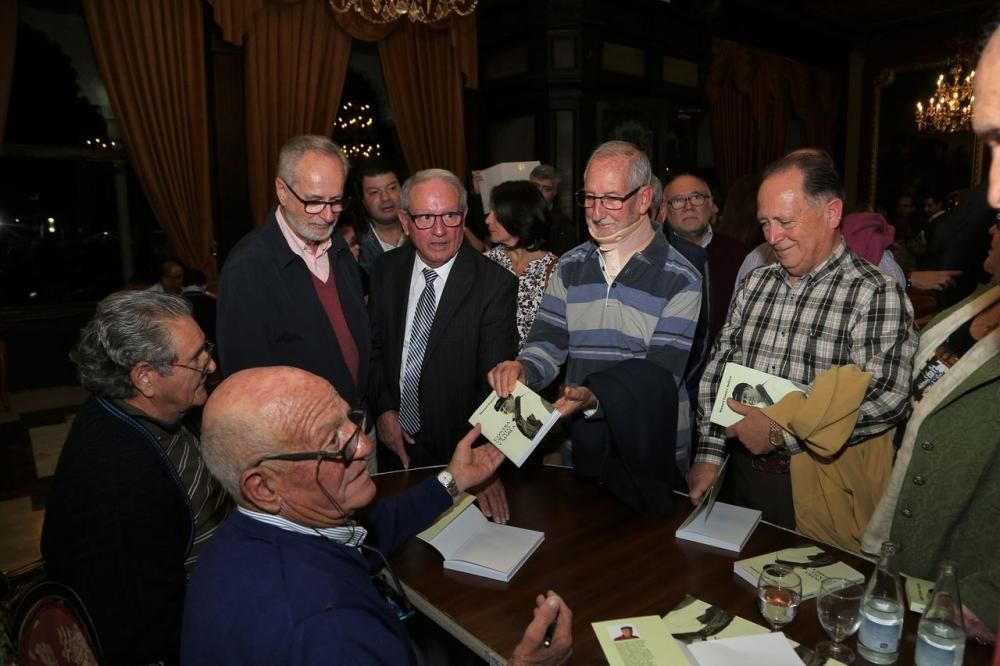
(700, 478)
(752, 430)
(504, 376)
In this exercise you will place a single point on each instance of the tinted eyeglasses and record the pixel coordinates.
(205, 369)
(609, 201)
(314, 207)
(347, 452)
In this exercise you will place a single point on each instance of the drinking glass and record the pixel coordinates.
(838, 605)
(779, 592)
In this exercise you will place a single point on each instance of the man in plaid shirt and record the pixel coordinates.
(820, 305)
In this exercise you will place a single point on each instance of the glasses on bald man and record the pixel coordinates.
(347, 452)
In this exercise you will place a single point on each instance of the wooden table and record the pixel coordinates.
(607, 562)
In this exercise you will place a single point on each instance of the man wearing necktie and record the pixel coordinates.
(442, 316)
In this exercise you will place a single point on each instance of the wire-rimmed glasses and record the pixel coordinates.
(697, 200)
(314, 207)
(208, 348)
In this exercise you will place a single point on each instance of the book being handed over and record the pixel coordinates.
(515, 424)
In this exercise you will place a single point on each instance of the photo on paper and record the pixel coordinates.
(626, 632)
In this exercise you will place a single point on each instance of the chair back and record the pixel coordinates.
(53, 627)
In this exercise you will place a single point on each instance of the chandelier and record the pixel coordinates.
(386, 11)
(950, 107)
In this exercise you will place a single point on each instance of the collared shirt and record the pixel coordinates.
(650, 311)
(764, 254)
(387, 246)
(843, 311)
(209, 502)
(313, 255)
(417, 284)
(351, 534)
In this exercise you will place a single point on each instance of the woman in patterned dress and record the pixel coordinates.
(518, 224)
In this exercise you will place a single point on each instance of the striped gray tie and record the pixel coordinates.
(423, 318)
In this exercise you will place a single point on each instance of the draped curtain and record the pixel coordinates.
(8, 40)
(297, 53)
(753, 94)
(151, 58)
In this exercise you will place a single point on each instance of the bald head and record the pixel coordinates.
(264, 411)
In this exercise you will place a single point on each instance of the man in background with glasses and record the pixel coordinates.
(290, 291)
(691, 212)
(131, 503)
(288, 577)
(442, 315)
(625, 296)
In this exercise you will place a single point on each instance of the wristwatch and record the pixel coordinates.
(446, 479)
(776, 437)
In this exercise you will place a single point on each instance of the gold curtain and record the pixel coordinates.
(8, 40)
(296, 63)
(753, 93)
(151, 58)
(423, 80)
(729, 84)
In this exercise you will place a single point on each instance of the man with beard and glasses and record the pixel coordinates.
(290, 292)
(287, 580)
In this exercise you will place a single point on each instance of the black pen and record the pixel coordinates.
(547, 641)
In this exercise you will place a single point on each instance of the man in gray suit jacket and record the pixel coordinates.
(442, 315)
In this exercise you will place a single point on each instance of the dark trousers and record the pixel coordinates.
(769, 493)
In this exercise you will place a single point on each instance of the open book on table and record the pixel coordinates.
(717, 523)
(813, 564)
(515, 424)
(474, 545)
(750, 387)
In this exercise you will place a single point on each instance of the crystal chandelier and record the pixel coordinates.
(386, 11)
(950, 107)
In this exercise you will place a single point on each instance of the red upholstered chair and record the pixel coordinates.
(53, 627)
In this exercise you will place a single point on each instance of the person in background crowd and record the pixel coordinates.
(171, 278)
(562, 233)
(518, 223)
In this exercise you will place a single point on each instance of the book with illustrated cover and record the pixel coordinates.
(717, 523)
(515, 424)
(637, 641)
(694, 621)
(813, 564)
(471, 544)
(919, 592)
(750, 387)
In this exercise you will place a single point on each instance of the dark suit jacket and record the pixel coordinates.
(269, 313)
(474, 329)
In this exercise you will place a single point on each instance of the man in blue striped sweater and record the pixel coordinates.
(624, 294)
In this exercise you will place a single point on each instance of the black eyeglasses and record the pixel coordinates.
(609, 201)
(345, 452)
(697, 200)
(426, 220)
(313, 207)
(204, 370)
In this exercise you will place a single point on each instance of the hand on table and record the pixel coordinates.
(575, 399)
(700, 478)
(492, 499)
(531, 650)
(391, 433)
(473, 466)
(504, 376)
(752, 430)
